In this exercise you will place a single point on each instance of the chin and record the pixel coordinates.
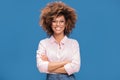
(58, 33)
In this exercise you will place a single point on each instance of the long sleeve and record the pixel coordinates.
(74, 66)
(41, 65)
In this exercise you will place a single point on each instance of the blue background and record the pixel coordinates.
(97, 30)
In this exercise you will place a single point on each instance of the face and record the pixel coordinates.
(58, 25)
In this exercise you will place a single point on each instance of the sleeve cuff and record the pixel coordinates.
(43, 67)
(68, 69)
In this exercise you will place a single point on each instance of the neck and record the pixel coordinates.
(59, 37)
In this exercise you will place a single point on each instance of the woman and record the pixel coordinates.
(58, 56)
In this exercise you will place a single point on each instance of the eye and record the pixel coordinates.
(53, 21)
(62, 21)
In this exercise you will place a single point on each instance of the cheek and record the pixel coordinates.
(64, 27)
(52, 26)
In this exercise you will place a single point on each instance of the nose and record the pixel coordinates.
(57, 23)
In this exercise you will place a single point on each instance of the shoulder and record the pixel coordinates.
(44, 41)
(72, 40)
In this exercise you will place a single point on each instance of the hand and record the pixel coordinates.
(44, 57)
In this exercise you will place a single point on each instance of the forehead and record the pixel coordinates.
(59, 18)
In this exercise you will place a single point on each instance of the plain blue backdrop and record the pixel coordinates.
(97, 31)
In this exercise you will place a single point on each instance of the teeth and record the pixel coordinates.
(58, 28)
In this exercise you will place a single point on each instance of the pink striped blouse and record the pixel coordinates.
(67, 50)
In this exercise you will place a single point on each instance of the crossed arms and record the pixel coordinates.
(55, 67)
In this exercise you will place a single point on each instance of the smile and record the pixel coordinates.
(58, 28)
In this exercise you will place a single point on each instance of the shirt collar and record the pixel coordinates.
(52, 39)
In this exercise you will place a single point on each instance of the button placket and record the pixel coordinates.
(59, 51)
